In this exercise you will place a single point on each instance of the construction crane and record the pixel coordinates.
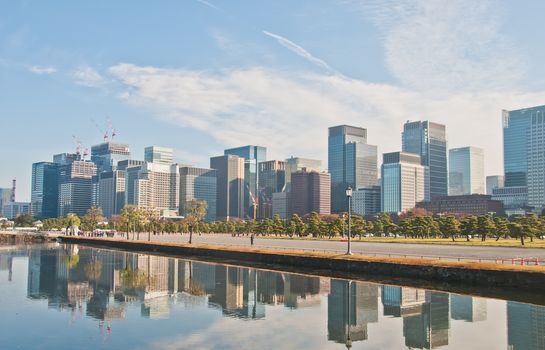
(104, 133)
(112, 129)
(78, 144)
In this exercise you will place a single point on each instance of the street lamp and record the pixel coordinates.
(349, 196)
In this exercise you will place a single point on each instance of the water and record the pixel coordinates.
(76, 297)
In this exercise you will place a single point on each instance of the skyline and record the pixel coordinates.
(230, 74)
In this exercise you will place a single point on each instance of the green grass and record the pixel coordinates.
(490, 242)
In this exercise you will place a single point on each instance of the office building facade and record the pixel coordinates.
(351, 162)
(466, 171)
(252, 155)
(524, 152)
(44, 192)
(310, 192)
(229, 186)
(272, 179)
(76, 187)
(5, 197)
(295, 164)
(494, 181)
(404, 182)
(111, 192)
(475, 204)
(159, 155)
(106, 155)
(198, 184)
(366, 201)
(429, 141)
(154, 185)
(12, 210)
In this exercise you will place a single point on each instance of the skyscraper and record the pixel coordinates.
(295, 164)
(429, 140)
(272, 179)
(198, 184)
(310, 191)
(494, 181)
(229, 186)
(106, 155)
(466, 171)
(154, 185)
(111, 192)
(5, 197)
(252, 155)
(76, 187)
(160, 155)
(45, 190)
(366, 201)
(404, 181)
(351, 162)
(524, 152)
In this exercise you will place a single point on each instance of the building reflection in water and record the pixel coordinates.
(102, 284)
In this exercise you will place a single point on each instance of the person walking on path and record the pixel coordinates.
(252, 239)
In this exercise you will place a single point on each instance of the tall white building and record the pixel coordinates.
(153, 185)
(404, 182)
(466, 171)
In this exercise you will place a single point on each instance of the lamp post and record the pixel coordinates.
(349, 196)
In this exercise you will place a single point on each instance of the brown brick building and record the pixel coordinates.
(476, 204)
(310, 191)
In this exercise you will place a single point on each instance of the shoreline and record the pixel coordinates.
(519, 283)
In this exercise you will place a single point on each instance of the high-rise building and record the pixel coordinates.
(429, 140)
(280, 204)
(295, 164)
(466, 171)
(404, 182)
(160, 155)
(252, 155)
(351, 162)
(494, 181)
(106, 155)
(5, 197)
(229, 186)
(76, 187)
(45, 190)
(514, 199)
(153, 185)
(13, 209)
(525, 326)
(366, 201)
(310, 192)
(198, 184)
(467, 308)
(272, 179)
(524, 152)
(111, 192)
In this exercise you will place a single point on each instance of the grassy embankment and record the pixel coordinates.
(490, 242)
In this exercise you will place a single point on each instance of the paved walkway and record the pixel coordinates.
(450, 252)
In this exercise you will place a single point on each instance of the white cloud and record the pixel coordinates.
(445, 45)
(290, 45)
(42, 70)
(87, 76)
(463, 80)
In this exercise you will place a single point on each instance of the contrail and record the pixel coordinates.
(204, 2)
(290, 45)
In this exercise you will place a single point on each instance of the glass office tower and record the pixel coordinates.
(45, 190)
(524, 152)
(351, 162)
(466, 171)
(253, 155)
(429, 140)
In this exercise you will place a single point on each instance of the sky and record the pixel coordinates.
(201, 76)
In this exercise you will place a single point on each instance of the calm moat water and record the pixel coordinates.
(76, 297)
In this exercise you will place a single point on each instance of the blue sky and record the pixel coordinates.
(200, 76)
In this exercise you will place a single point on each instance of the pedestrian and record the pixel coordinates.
(252, 239)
